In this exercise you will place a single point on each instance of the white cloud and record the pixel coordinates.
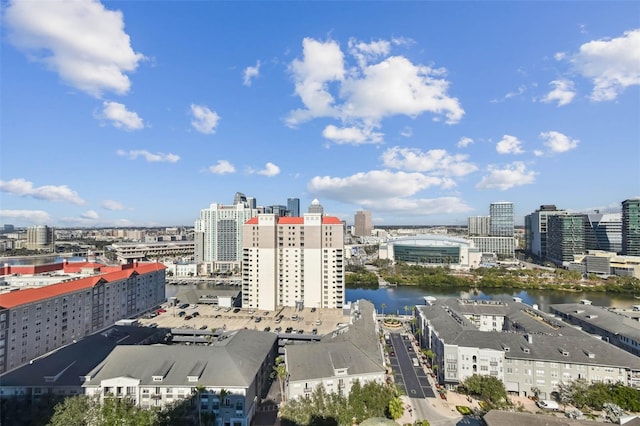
(204, 120)
(386, 191)
(149, 156)
(321, 64)
(562, 93)
(538, 152)
(559, 56)
(519, 91)
(80, 40)
(250, 73)
(26, 216)
(514, 174)
(396, 86)
(352, 135)
(464, 142)
(366, 52)
(121, 117)
(362, 95)
(90, 215)
(24, 188)
(509, 145)
(375, 184)
(222, 167)
(112, 205)
(406, 131)
(558, 142)
(436, 161)
(269, 170)
(612, 65)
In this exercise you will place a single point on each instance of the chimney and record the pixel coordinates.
(529, 338)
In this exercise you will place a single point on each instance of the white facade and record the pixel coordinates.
(293, 262)
(218, 235)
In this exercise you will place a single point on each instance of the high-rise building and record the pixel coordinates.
(293, 261)
(218, 235)
(363, 224)
(536, 229)
(631, 227)
(293, 207)
(316, 207)
(501, 219)
(478, 226)
(41, 237)
(565, 237)
(603, 231)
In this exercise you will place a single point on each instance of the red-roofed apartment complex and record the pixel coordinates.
(35, 321)
(293, 261)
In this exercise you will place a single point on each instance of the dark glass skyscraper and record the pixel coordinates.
(293, 207)
(631, 227)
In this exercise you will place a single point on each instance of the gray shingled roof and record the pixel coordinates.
(72, 361)
(551, 339)
(613, 322)
(357, 349)
(232, 362)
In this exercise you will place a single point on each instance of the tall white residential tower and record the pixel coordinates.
(293, 261)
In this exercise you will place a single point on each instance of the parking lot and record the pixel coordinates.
(207, 316)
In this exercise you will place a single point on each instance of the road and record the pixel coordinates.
(414, 382)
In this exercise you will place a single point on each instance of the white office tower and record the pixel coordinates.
(293, 261)
(501, 219)
(218, 235)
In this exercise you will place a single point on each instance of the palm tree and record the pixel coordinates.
(280, 372)
(197, 391)
(406, 310)
(382, 306)
(430, 354)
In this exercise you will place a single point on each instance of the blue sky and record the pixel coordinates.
(142, 113)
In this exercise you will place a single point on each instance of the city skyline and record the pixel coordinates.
(423, 113)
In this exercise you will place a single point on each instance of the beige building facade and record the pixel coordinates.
(293, 261)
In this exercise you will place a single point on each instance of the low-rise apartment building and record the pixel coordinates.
(351, 353)
(228, 377)
(531, 353)
(35, 321)
(617, 328)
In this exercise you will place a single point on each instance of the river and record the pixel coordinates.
(396, 298)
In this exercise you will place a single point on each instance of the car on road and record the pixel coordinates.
(392, 353)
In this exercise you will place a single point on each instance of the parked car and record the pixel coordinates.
(547, 404)
(236, 310)
(277, 329)
(289, 330)
(195, 314)
(184, 306)
(258, 319)
(267, 328)
(314, 331)
(313, 309)
(161, 311)
(182, 313)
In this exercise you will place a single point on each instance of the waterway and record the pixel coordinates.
(396, 298)
(42, 259)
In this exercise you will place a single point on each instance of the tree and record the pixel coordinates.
(489, 388)
(198, 391)
(280, 372)
(382, 306)
(406, 310)
(396, 409)
(429, 354)
(72, 411)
